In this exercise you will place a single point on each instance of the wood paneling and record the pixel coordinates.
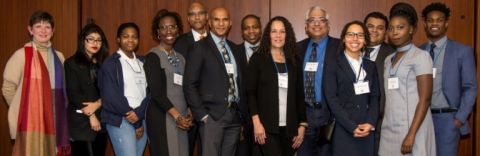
(142, 13)
(109, 14)
(15, 15)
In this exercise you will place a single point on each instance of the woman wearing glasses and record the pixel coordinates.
(167, 114)
(352, 93)
(83, 93)
(407, 127)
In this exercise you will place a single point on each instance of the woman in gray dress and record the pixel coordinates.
(407, 127)
(167, 117)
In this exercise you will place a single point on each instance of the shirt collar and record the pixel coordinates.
(247, 44)
(216, 39)
(196, 35)
(440, 42)
(124, 56)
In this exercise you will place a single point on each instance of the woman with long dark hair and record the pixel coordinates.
(84, 101)
(275, 91)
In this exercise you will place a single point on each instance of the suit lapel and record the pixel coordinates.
(345, 67)
(191, 39)
(447, 61)
(214, 50)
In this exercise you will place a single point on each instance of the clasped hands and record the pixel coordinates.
(184, 122)
(362, 130)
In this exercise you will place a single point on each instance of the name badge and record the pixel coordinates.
(361, 88)
(283, 80)
(177, 79)
(140, 80)
(229, 67)
(392, 83)
(311, 66)
(434, 72)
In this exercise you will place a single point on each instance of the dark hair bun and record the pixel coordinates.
(404, 10)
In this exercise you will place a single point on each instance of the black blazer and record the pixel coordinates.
(383, 52)
(330, 56)
(349, 109)
(80, 88)
(205, 82)
(243, 105)
(183, 42)
(262, 90)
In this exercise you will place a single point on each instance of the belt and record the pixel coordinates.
(314, 104)
(443, 110)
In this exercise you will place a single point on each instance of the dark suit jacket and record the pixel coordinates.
(244, 108)
(383, 52)
(80, 88)
(349, 109)
(184, 42)
(330, 56)
(262, 89)
(205, 82)
(459, 83)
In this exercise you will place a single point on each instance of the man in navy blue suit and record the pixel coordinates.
(454, 80)
(315, 51)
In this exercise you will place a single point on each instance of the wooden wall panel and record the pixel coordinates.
(15, 15)
(72, 14)
(142, 13)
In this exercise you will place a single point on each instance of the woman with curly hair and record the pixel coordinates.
(275, 89)
(167, 117)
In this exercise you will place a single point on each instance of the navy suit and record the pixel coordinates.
(459, 85)
(320, 115)
(183, 43)
(350, 109)
(206, 89)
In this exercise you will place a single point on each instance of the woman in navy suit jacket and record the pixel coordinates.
(352, 93)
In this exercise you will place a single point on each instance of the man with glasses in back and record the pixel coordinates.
(197, 19)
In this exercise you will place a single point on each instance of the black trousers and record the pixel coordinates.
(278, 144)
(90, 148)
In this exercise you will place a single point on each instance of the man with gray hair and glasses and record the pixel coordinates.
(316, 50)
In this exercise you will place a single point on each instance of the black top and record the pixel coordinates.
(262, 91)
(81, 84)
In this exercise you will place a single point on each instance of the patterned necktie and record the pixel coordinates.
(231, 86)
(432, 53)
(310, 81)
(254, 48)
(367, 53)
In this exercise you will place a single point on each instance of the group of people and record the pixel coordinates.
(269, 95)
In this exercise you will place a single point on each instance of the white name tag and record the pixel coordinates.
(229, 67)
(311, 66)
(392, 83)
(140, 80)
(177, 79)
(434, 72)
(361, 88)
(283, 80)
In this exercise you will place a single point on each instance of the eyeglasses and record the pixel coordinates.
(92, 40)
(315, 20)
(397, 27)
(351, 35)
(196, 13)
(168, 27)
